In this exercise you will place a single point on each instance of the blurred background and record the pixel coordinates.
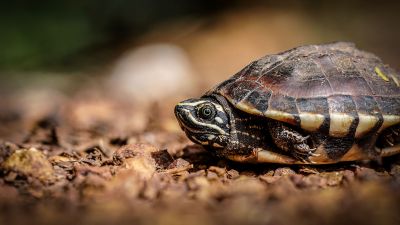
(90, 83)
(151, 54)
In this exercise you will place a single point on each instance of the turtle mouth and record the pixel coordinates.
(185, 120)
(179, 118)
(179, 114)
(185, 124)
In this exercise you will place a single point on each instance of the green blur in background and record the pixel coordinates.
(69, 35)
(40, 34)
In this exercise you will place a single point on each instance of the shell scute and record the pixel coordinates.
(239, 90)
(389, 105)
(313, 105)
(258, 99)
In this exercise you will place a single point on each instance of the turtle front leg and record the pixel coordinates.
(290, 140)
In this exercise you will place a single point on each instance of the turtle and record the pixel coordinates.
(313, 104)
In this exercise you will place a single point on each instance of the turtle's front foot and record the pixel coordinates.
(302, 151)
(292, 141)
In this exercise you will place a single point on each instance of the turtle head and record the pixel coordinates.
(204, 121)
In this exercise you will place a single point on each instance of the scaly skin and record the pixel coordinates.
(290, 140)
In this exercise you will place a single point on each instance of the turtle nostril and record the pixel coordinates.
(181, 115)
(178, 110)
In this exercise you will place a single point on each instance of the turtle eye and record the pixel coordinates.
(206, 112)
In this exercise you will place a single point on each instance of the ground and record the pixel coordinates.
(78, 165)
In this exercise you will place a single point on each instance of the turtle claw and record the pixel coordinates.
(303, 139)
(304, 156)
(311, 152)
(308, 161)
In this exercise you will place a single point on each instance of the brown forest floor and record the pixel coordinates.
(74, 166)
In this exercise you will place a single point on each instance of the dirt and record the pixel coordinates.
(81, 163)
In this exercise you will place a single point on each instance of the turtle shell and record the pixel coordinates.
(333, 88)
